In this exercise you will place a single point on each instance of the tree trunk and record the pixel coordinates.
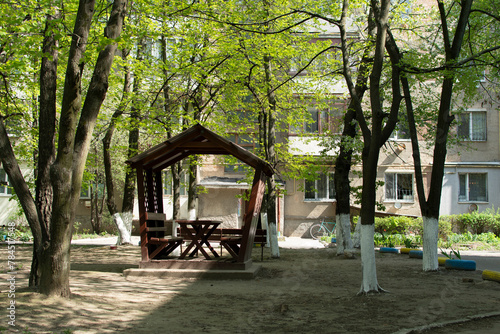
(16, 178)
(176, 189)
(344, 160)
(374, 137)
(270, 140)
(193, 166)
(46, 142)
(67, 170)
(369, 282)
(124, 229)
(430, 207)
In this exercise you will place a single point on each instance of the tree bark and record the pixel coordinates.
(46, 142)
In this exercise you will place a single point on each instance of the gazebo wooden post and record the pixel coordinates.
(150, 193)
(142, 213)
(252, 214)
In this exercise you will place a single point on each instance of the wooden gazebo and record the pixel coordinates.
(149, 166)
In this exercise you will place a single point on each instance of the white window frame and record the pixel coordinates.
(464, 194)
(329, 183)
(405, 197)
(5, 187)
(473, 128)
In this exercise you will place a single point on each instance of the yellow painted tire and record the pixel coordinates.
(442, 260)
(491, 275)
(405, 250)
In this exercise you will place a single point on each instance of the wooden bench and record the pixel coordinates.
(232, 238)
(158, 235)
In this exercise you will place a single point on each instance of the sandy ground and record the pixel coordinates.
(304, 291)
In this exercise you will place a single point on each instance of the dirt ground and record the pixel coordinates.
(304, 291)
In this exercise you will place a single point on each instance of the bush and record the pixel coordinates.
(395, 225)
(475, 222)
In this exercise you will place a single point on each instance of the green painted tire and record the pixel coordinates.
(491, 275)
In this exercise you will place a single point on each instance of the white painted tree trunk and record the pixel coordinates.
(343, 233)
(430, 240)
(368, 266)
(272, 236)
(356, 238)
(123, 223)
(192, 214)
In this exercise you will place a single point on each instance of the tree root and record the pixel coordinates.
(371, 292)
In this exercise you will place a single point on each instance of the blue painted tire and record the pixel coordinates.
(388, 250)
(334, 240)
(416, 254)
(460, 264)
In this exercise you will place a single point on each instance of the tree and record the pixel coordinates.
(465, 31)
(75, 130)
(374, 136)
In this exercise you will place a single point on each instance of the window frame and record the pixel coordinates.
(469, 137)
(5, 186)
(329, 185)
(467, 189)
(395, 187)
(324, 120)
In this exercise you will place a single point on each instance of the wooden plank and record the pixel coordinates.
(166, 146)
(155, 216)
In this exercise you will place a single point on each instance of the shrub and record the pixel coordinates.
(475, 222)
(394, 224)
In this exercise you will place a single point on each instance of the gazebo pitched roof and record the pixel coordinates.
(195, 140)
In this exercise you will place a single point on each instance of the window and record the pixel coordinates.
(321, 189)
(5, 188)
(472, 126)
(323, 120)
(473, 187)
(398, 187)
(168, 182)
(401, 132)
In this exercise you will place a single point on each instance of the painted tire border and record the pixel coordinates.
(491, 275)
(388, 250)
(460, 264)
(416, 254)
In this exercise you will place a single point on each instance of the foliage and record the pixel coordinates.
(475, 222)
(21, 233)
(452, 252)
(397, 239)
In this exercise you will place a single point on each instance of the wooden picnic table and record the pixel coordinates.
(199, 232)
